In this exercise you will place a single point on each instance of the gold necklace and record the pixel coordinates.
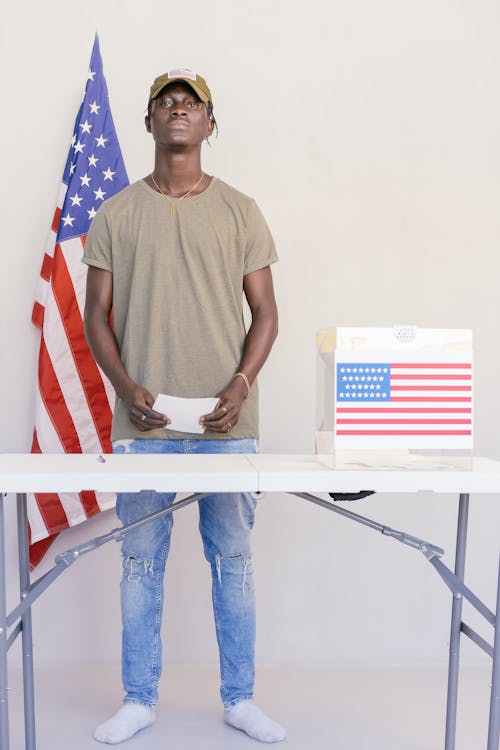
(173, 203)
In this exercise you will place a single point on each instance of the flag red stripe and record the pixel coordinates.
(39, 549)
(56, 219)
(53, 398)
(46, 267)
(37, 314)
(404, 432)
(89, 503)
(49, 503)
(431, 388)
(88, 371)
(404, 421)
(463, 399)
(396, 410)
(436, 365)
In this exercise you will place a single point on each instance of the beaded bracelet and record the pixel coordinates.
(245, 379)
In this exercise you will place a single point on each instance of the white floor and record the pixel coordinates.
(323, 708)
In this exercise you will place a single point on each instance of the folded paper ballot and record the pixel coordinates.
(184, 413)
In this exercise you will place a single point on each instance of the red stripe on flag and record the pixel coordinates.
(403, 421)
(55, 404)
(39, 549)
(46, 270)
(88, 371)
(56, 220)
(396, 410)
(404, 432)
(463, 399)
(89, 503)
(37, 314)
(49, 503)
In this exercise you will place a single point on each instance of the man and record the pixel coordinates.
(171, 255)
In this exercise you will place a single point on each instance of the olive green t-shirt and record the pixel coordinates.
(178, 292)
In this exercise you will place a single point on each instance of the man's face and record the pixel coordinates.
(179, 118)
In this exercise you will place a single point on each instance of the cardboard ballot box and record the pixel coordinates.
(393, 391)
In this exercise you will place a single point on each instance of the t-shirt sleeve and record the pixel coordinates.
(97, 250)
(260, 250)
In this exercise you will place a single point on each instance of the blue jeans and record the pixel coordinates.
(225, 524)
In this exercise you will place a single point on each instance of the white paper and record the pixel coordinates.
(184, 413)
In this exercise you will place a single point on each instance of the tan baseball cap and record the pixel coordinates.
(197, 83)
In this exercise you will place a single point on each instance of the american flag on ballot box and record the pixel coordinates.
(74, 400)
(418, 403)
(410, 393)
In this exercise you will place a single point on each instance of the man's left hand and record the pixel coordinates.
(227, 410)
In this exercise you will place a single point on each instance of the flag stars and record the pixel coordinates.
(75, 199)
(92, 160)
(73, 140)
(94, 108)
(90, 76)
(86, 127)
(101, 141)
(79, 147)
(68, 220)
(85, 180)
(72, 168)
(92, 212)
(99, 195)
(108, 174)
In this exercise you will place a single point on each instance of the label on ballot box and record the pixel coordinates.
(391, 391)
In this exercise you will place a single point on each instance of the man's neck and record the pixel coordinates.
(175, 173)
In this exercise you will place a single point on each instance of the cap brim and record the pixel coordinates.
(199, 92)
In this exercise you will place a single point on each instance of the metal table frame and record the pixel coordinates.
(264, 478)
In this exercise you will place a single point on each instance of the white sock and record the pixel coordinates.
(249, 718)
(125, 723)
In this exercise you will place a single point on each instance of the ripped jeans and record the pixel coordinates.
(225, 524)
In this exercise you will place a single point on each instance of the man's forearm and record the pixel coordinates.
(104, 348)
(258, 343)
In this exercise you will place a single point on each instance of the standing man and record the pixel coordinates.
(172, 256)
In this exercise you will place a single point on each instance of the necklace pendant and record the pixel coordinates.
(172, 209)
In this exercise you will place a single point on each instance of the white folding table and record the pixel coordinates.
(202, 475)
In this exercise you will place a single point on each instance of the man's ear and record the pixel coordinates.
(147, 123)
(210, 125)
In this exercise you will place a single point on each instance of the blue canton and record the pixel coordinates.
(363, 381)
(94, 169)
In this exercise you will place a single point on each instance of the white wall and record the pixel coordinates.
(369, 134)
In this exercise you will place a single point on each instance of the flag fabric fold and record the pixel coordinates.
(74, 400)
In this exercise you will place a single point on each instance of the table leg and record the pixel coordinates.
(27, 630)
(4, 706)
(456, 624)
(494, 724)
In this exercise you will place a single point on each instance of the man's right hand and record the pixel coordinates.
(139, 402)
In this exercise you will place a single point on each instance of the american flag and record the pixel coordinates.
(404, 404)
(74, 400)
